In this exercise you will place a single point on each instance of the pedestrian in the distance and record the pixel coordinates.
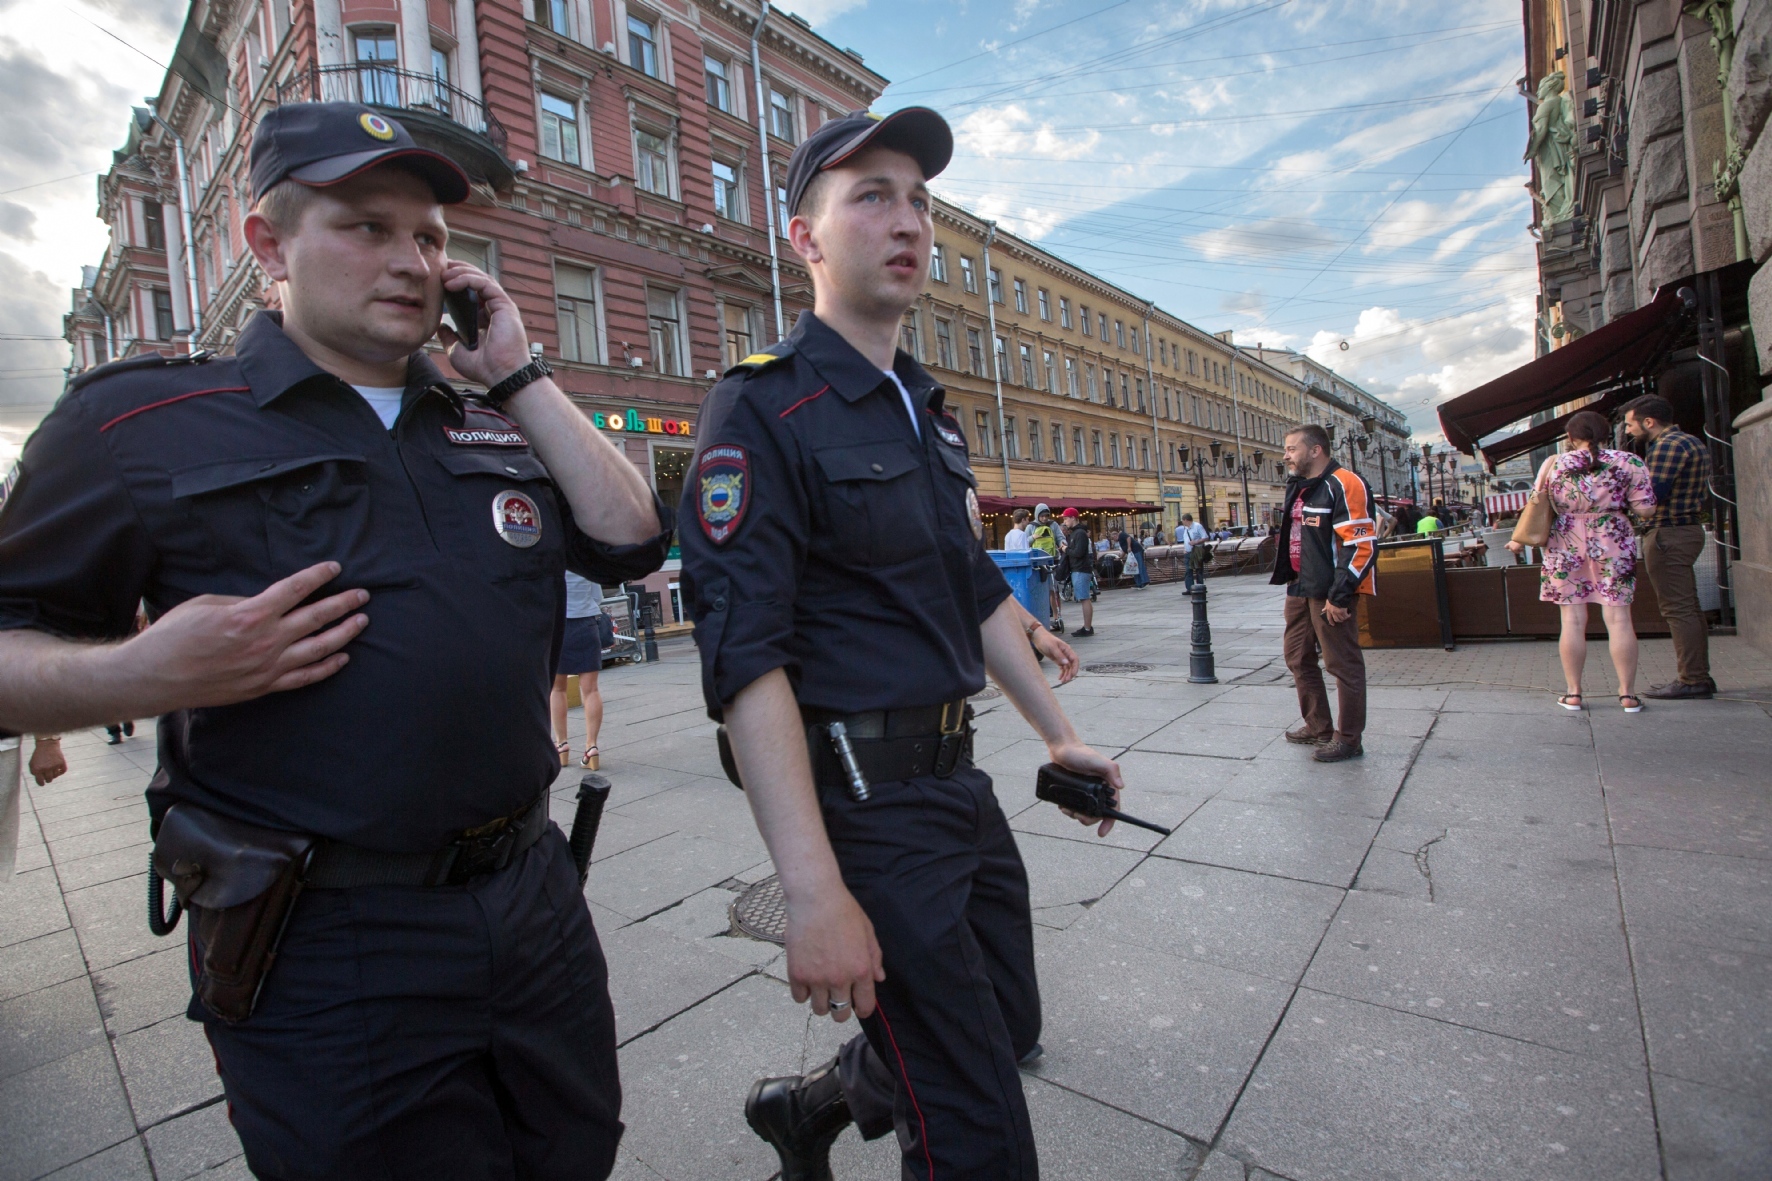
(1079, 552)
(1326, 556)
(1016, 540)
(1135, 551)
(1591, 556)
(1679, 469)
(1192, 536)
(1043, 536)
(581, 655)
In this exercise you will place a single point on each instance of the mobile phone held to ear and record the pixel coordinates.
(1086, 795)
(464, 309)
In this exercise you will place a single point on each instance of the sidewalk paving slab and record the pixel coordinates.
(1307, 846)
(61, 1112)
(1706, 1014)
(1711, 1134)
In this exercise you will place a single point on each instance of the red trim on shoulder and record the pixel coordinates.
(222, 389)
(802, 402)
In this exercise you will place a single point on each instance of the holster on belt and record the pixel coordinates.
(239, 882)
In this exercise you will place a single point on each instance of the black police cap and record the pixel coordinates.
(916, 131)
(322, 144)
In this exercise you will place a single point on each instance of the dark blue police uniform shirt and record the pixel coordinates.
(824, 536)
(157, 482)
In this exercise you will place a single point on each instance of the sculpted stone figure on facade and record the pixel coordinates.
(1552, 147)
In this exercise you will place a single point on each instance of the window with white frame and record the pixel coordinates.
(781, 115)
(555, 15)
(968, 275)
(938, 263)
(1011, 440)
(1045, 305)
(1095, 447)
(1114, 448)
(981, 431)
(162, 313)
(1021, 296)
(575, 310)
(1119, 336)
(1077, 445)
(728, 194)
(1028, 377)
(378, 85)
(643, 45)
(1083, 314)
(719, 79)
(664, 320)
(1070, 376)
(739, 337)
(1057, 442)
(1051, 364)
(1101, 317)
(1064, 312)
(975, 351)
(1089, 373)
(559, 129)
(476, 252)
(781, 206)
(1136, 351)
(1036, 447)
(944, 343)
(1002, 360)
(909, 338)
(995, 278)
(652, 161)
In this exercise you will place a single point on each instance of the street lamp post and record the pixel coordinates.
(1245, 470)
(1196, 462)
(1216, 448)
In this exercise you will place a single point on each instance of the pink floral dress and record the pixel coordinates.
(1591, 556)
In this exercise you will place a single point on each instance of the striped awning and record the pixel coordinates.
(1500, 504)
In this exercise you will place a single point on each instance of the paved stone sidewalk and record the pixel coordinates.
(1509, 943)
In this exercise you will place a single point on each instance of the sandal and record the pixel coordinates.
(1630, 709)
(564, 749)
(1566, 698)
(591, 760)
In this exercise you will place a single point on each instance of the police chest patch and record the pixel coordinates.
(723, 495)
(973, 516)
(515, 519)
(482, 437)
(949, 435)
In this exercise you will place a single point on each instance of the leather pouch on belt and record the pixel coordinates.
(239, 883)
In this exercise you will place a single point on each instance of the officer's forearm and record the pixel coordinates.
(609, 497)
(50, 685)
(1011, 664)
(769, 745)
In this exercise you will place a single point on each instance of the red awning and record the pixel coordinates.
(1083, 504)
(1604, 360)
(1500, 504)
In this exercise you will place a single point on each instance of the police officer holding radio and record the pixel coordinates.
(354, 576)
(845, 610)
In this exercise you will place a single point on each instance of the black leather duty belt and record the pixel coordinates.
(891, 745)
(486, 849)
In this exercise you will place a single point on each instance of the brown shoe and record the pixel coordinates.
(1338, 750)
(1303, 737)
(1684, 691)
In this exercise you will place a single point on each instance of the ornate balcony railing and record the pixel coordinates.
(378, 85)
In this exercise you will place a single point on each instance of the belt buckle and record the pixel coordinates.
(955, 738)
(482, 850)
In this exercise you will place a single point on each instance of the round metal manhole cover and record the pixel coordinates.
(1113, 667)
(762, 912)
(988, 693)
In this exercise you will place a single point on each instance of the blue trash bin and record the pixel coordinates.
(1029, 574)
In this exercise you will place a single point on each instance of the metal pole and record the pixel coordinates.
(1150, 381)
(990, 310)
(1237, 424)
(1714, 382)
(188, 255)
(768, 176)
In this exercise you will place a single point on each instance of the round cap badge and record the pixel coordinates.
(377, 126)
(973, 516)
(516, 520)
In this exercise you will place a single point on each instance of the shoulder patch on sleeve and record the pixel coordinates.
(129, 364)
(757, 362)
(723, 492)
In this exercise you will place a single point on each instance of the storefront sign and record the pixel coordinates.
(634, 423)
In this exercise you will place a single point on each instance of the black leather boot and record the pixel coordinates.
(800, 1116)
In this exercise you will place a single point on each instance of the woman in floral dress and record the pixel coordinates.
(1591, 556)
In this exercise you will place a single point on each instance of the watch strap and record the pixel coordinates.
(501, 393)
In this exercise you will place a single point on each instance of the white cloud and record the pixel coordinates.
(1011, 131)
(819, 11)
(1266, 237)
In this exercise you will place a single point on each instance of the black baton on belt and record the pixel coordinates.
(593, 792)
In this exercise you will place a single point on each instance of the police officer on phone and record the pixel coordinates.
(354, 576)
(845, 609)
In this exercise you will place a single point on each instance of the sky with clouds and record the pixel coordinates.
(1306, 172)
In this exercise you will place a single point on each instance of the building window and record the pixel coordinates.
(1077, 445)
(781, 115)
(1064, 312)
(938, 263)
(559, 129)
(1070, 376)
(1083, 314)
(1144, 454)
(1027, 368)
(1002, 361)
(162, 314)
(968, 275)
(475, 252)
(738, 333)
(1135, 349)
(1057, 442)
(1102, 317)
(975, 351)
(575, 309)
(781, 208)
(1119, 333)
(719, 84)
(1036, 448)
(908, 336)
(552, 14)
(440, 74)
(1125, 393)
(643, 45)
(1095, 447)
(1139, 383)
(996, 283)
(1051, 372)
(944, 344)
(652, 162)
(379, 87)
(1114, 448)
(1089, 373)
(726, 191)
(665, 322)
(154, 222)
(1021, 296)
(982, 432)
(1045, 305)
(1011, 441)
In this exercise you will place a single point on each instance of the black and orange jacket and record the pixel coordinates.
(1340, 545)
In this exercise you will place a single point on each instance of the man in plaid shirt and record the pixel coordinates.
(1679, 467)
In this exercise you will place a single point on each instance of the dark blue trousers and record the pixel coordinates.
(933, 864)
(461, 1032)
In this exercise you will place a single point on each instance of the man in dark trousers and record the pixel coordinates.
(354, 577)
(1326, 555)
(1079, 560)
(1679, 467)
(834, 557)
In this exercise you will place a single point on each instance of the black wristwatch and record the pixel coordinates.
(501, 393)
